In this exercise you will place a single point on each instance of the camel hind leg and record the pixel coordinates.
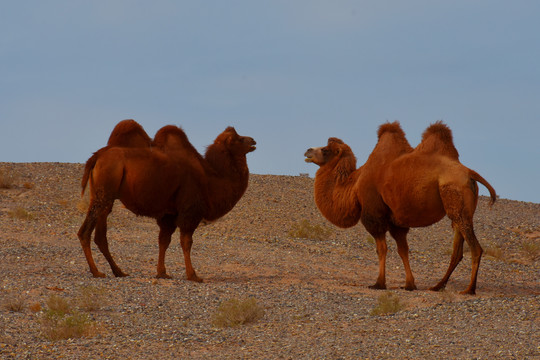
(100, 238)
(457, 255)
(460, 204)
(85, 234)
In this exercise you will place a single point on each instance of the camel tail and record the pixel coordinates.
(90, 164)
(476, 176)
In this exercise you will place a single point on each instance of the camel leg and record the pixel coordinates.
(457, 255)
(100, 238)
(400, 235)
(381, 252)
(460, 204)
(476, 255)
(85, 234)
(186, 240)
(167, 227)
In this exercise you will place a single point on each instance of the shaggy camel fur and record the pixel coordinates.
(398, 188)
(169, 181)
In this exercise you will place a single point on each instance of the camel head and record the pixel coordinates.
(335, 149)
(234, 142)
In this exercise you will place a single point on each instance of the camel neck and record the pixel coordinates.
(227, 181)
(335, 196)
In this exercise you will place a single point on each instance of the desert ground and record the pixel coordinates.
(312, 292)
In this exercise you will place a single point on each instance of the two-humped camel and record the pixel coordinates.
(166, 179)
(398, 188)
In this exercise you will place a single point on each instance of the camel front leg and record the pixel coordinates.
(400, 235)
(186, 240)
(381, 252)
(167, 227)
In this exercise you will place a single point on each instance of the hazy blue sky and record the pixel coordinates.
(288, 73)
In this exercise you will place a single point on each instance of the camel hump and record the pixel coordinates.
(391, 137)
(391, 127)
(129, 133)
(172, 138)
(437, 138)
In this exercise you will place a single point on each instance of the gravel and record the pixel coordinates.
(314, 292)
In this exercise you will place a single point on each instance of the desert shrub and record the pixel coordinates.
(531, 249)
(21, 214)
(14, 303)
(60, 321)
(494, 251)
(67, 326)
(305, 230)
(90, 298)
(388, 303)
(7, 180)
(236, 312)
(28, 185)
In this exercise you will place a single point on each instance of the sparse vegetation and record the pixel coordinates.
(531, 249)
(447, 296)
(494, 251)
(21, 214)
(236, 312)
(91, 298)
(60, 321)
(7, 180)
(14, 303)
(28, 185)
(388, 303)
(305, 230)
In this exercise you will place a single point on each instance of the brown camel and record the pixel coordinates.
(169, 181)
(399, 188)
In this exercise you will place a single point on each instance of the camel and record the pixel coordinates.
(165, 179)
(398, 188)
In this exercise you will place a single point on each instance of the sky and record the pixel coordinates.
(290, 74)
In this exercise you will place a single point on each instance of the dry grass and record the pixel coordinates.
(531, 249)
(91, 298)
(305, 230)
(15, 303)
(60, 321)
(236, 312)
(21, 214)
(7, 180)
(387, 303)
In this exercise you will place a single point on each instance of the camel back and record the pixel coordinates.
(129, 133)
(437, 138)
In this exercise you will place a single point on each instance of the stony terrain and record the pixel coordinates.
(314, 292)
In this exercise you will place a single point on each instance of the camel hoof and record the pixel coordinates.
(163, 276)
(120, 274)
(98, 274)
(410, 287)
(468, 292)
(195, 278)
(377, 287)
(437, 287)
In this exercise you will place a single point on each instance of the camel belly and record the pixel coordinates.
(414, 203)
